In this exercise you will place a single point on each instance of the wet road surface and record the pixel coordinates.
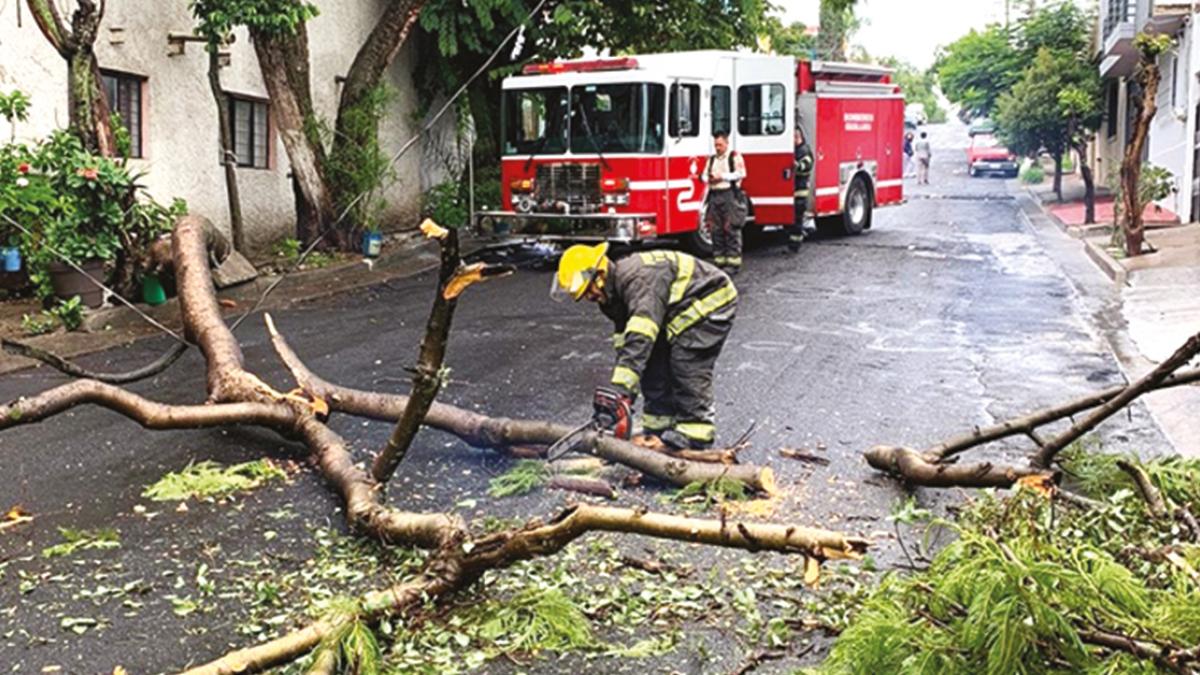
(947, 314)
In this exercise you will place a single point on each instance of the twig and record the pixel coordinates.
(802, 456)
(75, 370)
(1175, 361)
(1151, 495)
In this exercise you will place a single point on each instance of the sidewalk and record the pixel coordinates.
(112, 326)
(1157, 307)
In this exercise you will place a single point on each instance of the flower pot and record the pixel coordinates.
(153, 293)
(68, 283)
(12, 259)
(372, 244)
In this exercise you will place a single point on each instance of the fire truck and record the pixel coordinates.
(615, 148)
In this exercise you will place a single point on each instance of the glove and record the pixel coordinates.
(612, 411)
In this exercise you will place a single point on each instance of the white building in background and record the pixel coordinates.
(1174, 138)
(161, 89)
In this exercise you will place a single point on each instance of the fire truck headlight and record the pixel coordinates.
(616, 199)
(525, 204)
(625, 228)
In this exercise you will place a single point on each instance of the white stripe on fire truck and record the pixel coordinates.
(677, 184)
(827, 191)
(889, 183)
(774, 201)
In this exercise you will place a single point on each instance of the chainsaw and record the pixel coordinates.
(610, 411)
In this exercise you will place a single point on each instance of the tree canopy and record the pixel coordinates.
(975, 69)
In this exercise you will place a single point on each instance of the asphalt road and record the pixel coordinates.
(947, 314)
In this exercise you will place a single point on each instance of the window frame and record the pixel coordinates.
(745, 123)
(255, 103)
(726, 109)
(120, 78)
(673, 105)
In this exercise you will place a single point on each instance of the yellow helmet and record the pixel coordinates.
(577, 268)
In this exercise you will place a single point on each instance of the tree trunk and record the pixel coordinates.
(228, 155)
(1131, 164)
(1089, 185)
(87, 104)
(285, 70)
(1058, 174)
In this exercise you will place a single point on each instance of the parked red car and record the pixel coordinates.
(987, 154)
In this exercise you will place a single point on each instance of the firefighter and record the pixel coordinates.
(727, 207)
(672, 314)
(800, 172)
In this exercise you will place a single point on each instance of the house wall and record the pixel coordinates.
(1170, 139)
(180, 135)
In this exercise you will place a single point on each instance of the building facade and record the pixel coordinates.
(159, 84)
(1173, 141)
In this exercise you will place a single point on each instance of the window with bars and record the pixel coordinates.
(250, 132)
(124, 93)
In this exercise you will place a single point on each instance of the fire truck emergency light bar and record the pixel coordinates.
(579, 66)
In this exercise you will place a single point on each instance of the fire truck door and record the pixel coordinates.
(765, 92)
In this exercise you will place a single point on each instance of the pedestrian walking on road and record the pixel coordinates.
(801, 171)
(908, 155)
(672, 314)
(924, 154)
(727, 207)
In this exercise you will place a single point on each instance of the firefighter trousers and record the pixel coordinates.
(678, 386)
(725, 218)
(796, 231)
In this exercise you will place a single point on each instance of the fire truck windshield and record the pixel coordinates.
(626, 117)
(534, 121)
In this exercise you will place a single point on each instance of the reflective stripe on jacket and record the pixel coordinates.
(662, 294)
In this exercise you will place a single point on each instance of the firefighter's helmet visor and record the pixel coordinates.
(577, 270)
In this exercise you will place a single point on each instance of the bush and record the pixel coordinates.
(68, 204)
(447, 204)
(1033, 174)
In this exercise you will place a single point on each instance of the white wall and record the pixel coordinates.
(180, 140)
(1170, 140)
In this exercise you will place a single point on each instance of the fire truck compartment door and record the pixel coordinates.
(764, 99)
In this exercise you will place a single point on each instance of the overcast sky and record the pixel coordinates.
(911, 30)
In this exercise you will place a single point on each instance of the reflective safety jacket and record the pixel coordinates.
(802, 169)
(664, 295)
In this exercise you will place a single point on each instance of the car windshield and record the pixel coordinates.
(626, 117)
(534, 121)
(984, 141)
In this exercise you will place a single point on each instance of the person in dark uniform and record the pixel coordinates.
(726, 212)
(672, 313)
(801, 172)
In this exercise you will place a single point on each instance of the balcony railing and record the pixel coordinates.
(1117, 12)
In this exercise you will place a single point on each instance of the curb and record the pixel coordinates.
(101, 327)
(1107, 264)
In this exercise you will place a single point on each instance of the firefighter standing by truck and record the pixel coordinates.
(672, 314)
(801, 172)
(727, 208)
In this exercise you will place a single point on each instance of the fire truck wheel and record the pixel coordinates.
(699, 242)
(857, 216)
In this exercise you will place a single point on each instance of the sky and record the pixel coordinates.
(910, 30)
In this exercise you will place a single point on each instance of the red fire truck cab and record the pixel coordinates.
(614, 148)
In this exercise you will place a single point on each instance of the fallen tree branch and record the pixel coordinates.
(73, 369)
(499, 432)
(1186, 352)
(1026, 424)
(915, 469)
(1145, 487)
(583, 485)
(458, 563)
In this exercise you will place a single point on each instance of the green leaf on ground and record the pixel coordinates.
(525, 477)
(210, 480)
(82, 540)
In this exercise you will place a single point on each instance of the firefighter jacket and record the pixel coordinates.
(664, 295)
(803, 169)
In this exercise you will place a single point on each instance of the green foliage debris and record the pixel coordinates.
(82, 540)
(527, 476)
(210, 480)
(701, 495)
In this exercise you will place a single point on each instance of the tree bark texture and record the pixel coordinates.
(284, 62)
(237, 396)
(228, 154)
(1058, 175)
(1131, 164)
(1089, 185)
(87, 104)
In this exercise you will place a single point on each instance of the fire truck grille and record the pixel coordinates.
(574, 184)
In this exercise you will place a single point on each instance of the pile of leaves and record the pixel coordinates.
(1034, 585)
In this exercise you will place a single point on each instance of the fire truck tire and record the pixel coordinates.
(699, 241)
(857, 215)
